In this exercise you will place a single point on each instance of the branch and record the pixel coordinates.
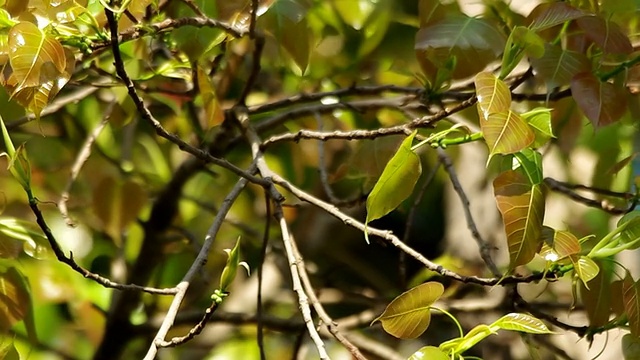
(567, 190)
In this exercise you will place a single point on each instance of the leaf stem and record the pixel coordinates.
(452, 318)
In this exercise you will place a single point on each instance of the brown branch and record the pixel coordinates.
(195, 330)
(567, 190)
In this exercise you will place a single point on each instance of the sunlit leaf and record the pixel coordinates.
(531, 163)
(606, 34)
(492, 93)
(212, 109)
(522, 207)
(7, 348)
(631, 297)
(473, 337)
(396, 183)
(558, 245)
(506, 133)
(603, 103)
(597, 299)
(231, 268)
(522, 323)
(631, 231)
(429, 353)
(631, 347)
(117, 204)
(558, 66)
(15, 300)
(586, 269)
(473, 42)
(409, 314)
(355, 12)
(28, 233)
(552, 14)
(540, 121)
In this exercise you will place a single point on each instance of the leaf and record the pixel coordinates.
(522, 207)
(617, 300)
(473, 42)
(396, 183)
(617, 167)
(117, 204)
(521, 40)
(631, 231)
(602, 103)
(409, 314)
(355, 12)
(522, 323)
(630, 347)
(531, 163)
(429, 353)
(586, 269)
(7, 348)
(19, 165)
(212, 109)
(506, 133)
(630, 295)
(540, 121)
(606, 34)
(286, 20)
(28, 233)
(474, 336)
(370, 158)
(597, 299)
(558, 245)
(557, 66)
(15, 301)
(492, 93)
(231, 268)
(553, 14)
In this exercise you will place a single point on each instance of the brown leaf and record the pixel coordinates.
(602, 103)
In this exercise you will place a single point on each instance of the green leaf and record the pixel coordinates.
(473, 337)
(19, 165)
(355, 12)
(429, 353)
(522, 323)
(631, 297)
(7, 348)
(396, 183)
(531, 163)
(212, 108)
(553, 14)
(506, 133)
(597, 298)
(558, 66)
(492, 93)
(286, 20)
(409, 314)
(27, 233)
(15, 301)
(522, 207)
(630, 347)
(231, 268)
(631, 231)
(540, 121)
(558, 245)
(521, 40)
(473, 42)
(602, 103)
(586, 269)
(117, 204)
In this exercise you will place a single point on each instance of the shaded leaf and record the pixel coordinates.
(617, 167)
(522, 207)
(7, 348)
(522, 323)
(27, 233)
(370, 158)
(531, 163)
(473, 43)
(521, 41)
(212, 108)
(601, 102)
(597, 299)
(286, 21)
(15, 301)
(540, 121)
(409, 314)
(630, 347)
(631, 231)
(429, 353)
(506, 133)
(117, 204)
(553, 14)
(557, 66)
(396, 183)
(617, 300)
(631, 297)
(492, 93)
(606, 34)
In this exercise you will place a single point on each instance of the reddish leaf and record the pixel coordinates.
(606, 34)
(617, 301)
(522, 208)
(597, 299)
(549, 15)
(601, 102)
(558, 245)
(631, 297)
(557, 66)
(15, 300)
(506, 133)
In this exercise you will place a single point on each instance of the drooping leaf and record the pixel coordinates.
(531, 163)
(473, 42)
(617, 167)
(474, 336)
(631, 297)
(370, 158)
(602, 103)
(606, 34)
(396, 183)
(630, 347)
(15, 301)
(540, 121)
(597, 299)
(558, 245)
(617, 299)
(117, 204)
(29, 234)
(631, 231)
(506, 133)
(492, 93)
(558, 66)
(429, 353)
(586, 269)
(522, 323)
(212, 108)
(522, 207)
(286, 20)
(409, 314)
(552, 14)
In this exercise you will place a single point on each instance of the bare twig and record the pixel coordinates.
(263, 256)
(322, 166)
(196, 330)
(485, 248)
(81, 158)
(567, 190)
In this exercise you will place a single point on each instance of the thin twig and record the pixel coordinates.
(81, 159)
(195, 330)
(263, 256)
(567, 190)
(322, 166)
(485, 248)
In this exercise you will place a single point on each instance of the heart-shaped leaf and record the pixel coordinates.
(607, 34)
(558, 66)
(540, 121)
(506, 133)
(597, 298)
(552, 14)
(522, 323)
(429, 353)
(602, 103)
(522, 207)
(492, 93)
(409, 314)
(586, 269)
(558, 245)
